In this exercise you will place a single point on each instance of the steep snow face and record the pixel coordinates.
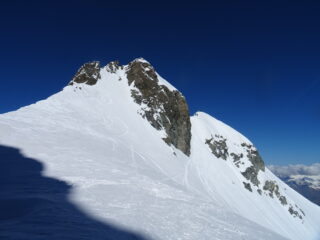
(260, 196)
(94, 136)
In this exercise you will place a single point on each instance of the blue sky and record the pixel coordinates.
(254, 65)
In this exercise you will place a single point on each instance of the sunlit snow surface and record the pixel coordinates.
(122, 172)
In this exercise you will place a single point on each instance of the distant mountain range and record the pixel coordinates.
(304, 179)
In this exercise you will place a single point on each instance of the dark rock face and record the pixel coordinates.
(283, 200)
(89, 73)
(295, 213)
(113, 66)
(218, 146)
(247, 186)
(164, 109)
(251, 173)
(254, 156)
(236, 158)
(273, 189)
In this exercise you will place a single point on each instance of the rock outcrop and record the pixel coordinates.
(247, 186)
(113, 66)
(164, 108)
(273, 189)
(251, 173)
(237, 159)
(89, 73)
(218, 146)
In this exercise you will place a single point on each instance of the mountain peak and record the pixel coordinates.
(161, 104)
(88, 73)
(142, 60)
(113, 66)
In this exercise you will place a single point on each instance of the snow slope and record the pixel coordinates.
(122, 172)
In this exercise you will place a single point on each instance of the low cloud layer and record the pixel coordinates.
(299, 169)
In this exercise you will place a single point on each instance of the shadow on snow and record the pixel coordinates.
(33, 206)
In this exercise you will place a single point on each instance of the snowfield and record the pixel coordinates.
(122, 175)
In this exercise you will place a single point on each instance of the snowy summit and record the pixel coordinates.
(116, 155)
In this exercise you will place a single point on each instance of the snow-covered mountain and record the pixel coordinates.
(115, 155)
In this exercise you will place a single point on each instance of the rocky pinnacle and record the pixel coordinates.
(166, 109)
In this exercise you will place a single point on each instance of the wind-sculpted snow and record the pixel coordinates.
(93, 139)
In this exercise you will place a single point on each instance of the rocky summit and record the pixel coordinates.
(89, 73)
(163, 108)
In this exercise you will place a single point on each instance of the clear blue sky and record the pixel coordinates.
(252, 64)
